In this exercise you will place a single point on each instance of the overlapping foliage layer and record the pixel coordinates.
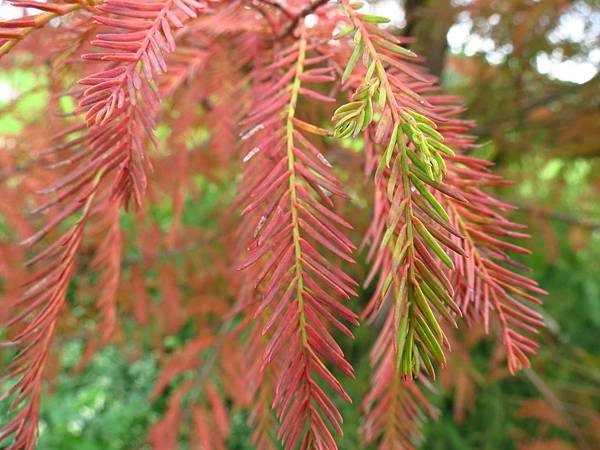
(340, 136)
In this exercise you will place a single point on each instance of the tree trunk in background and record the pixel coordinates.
(428, 21)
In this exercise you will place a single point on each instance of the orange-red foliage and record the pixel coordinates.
(250, 84)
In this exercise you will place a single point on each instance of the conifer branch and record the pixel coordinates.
(113, 143)
(294, 276)
(107, 260)
(35, 318)
(410, 231)
(14, 31)
(402, 429)
(121, 100)
(484, 285)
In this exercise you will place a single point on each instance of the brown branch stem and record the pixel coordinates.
(310, 8)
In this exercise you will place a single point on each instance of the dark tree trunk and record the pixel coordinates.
(428, 21)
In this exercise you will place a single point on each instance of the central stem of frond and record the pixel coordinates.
(292, 180)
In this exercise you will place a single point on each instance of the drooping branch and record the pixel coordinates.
(484, 285)
(410, 233)
(418, 250)
(286, 194)
(106, 158)
(35, 317)
(14, 31)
